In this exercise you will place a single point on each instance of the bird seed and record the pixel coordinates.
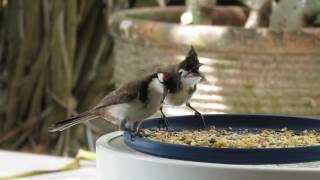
(236, 138)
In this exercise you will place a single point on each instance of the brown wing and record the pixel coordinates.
(124, 94)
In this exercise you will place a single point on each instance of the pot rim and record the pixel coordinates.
(124, 26)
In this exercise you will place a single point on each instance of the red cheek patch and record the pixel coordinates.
(195, 70)
(165, 76)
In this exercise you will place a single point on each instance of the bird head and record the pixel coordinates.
(190, 66)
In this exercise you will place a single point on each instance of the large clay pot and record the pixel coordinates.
(248, 70)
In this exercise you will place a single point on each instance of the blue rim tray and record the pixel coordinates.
(230, 155)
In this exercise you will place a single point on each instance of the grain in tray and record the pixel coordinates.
(229, 138)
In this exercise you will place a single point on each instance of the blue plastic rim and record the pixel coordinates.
(230, 155)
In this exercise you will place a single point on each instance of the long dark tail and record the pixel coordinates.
(62, 125)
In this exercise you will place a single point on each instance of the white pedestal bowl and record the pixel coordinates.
(116, 161)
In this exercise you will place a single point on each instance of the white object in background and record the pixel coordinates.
(116, 161)
(12, 163)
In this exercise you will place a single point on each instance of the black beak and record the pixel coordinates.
(203, 78)
(197, 68)
(200, 64)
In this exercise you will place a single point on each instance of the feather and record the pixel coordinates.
(62, 125)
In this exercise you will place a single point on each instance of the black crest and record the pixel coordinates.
(191, 61)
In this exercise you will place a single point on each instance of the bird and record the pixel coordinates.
(129, 105)
(190, 77)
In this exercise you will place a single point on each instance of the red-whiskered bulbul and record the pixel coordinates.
(190, 76)
(130, 104)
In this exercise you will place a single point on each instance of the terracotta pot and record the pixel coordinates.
(248, 70)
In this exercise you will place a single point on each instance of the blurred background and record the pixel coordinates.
(59, 58)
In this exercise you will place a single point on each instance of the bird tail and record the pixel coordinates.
(65, 124)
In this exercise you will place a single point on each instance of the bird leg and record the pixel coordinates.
(122, 126)
(197, 113)
(163, 121)
(133, 130)
(136, 128)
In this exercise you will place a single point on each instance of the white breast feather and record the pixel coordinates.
(181, 97)
(135, 110)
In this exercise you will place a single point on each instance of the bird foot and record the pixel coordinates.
(163, 123)
(133, 133)
(200, 117)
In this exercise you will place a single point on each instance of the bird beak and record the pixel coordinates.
(196, 74)
(200, 64)
(203, 78)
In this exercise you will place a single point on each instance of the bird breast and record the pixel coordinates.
(136, 110)
(188, 87)
(155, 95)
(179, 98)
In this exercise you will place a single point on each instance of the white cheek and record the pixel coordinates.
(160, 77)
(183, 72)
(156, 86)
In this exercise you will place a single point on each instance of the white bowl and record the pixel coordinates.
(116, 161)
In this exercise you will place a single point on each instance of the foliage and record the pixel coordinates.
(55, 62)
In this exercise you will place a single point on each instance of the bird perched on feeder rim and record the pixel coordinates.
(130, 104)
(190, 77)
